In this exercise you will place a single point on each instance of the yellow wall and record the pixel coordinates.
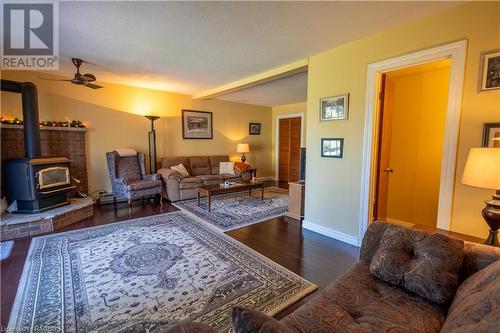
(288, 109)
(333, 185)
(114, 118)
(417, 101)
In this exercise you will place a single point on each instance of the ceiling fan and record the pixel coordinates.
(80, 79)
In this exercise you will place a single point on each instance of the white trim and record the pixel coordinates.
(456, 52)
(276, 148)
(346, 238)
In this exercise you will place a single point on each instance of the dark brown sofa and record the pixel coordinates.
(360, 302)
(203, 170)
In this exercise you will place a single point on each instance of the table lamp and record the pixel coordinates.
(243, 148)
(483, 170)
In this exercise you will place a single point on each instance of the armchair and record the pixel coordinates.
(129, 179)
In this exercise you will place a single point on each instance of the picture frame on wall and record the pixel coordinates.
(197, 124)
(334, 108)
(332, 147)
(254, 128)
(489, 71)
(491, 135)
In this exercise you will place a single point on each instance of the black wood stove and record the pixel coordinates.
(37, 183)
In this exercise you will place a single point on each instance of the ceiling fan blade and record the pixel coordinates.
(47, 79)
(93, 86)
(88, 77)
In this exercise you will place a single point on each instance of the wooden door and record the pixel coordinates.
(290, 130)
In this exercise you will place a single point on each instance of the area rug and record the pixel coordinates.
(235, 210)
(145, 275)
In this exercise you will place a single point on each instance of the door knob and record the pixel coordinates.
(389, 170)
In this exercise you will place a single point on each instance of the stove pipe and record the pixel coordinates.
(29, 96)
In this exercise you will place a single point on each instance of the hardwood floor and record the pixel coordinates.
(315, 257)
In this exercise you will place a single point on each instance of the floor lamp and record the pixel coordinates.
(152, 144)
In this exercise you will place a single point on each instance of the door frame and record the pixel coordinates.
(456, 52)
(277, 138)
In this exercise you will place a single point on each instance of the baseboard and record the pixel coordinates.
(346, 238)
(265, 178)
(399, 222)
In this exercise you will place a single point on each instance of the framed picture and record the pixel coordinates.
(491, 135)
(490, 71)
(332, 147)
(334, 108)
(254, 129)
(197, 124)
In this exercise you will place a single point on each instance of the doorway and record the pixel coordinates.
(412, 118)
(289, 143)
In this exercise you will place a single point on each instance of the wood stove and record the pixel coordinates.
(37, 183)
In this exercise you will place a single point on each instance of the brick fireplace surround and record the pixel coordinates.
(55, 141)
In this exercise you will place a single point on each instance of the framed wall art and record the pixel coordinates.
(491, 135)
(332, 147)
(254, 128)
(334, 108)
(197, 124)
(490, 71)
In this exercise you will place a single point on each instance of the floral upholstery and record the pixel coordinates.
(128, 177)
(359, 302)
(251, 321)
(476, 306)
(427, 264)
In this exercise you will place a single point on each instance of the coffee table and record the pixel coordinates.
(210, 190)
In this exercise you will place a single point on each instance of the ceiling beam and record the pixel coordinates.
(254, 80)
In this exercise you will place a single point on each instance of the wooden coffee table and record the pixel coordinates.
(210, 190)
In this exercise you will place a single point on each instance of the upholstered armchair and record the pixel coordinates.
(129, 179)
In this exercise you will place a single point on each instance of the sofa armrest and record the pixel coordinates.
(371, 240)
(169, 174)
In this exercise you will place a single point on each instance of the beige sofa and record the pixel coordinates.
(203, 170)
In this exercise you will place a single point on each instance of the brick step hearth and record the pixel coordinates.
(15, 226)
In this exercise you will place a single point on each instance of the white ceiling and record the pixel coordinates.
(188, 47)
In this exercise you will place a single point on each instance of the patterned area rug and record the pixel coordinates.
(145, 275)
(235, 210)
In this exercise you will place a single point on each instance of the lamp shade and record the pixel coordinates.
(483, 168)
(243, 148)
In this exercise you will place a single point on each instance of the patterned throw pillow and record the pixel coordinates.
(476, 306)
(426, 264)
(180, 169)
(252, 321)
(226, 168)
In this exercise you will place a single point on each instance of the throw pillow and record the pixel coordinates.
(180, 169)
(476, 306)
(426, 264)
(252, 321)
(241, 167)
(226, 168)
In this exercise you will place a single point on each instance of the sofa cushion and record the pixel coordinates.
(476, 306)
(211, 179)
(190, 182)
(232, 178)
(180, 168)
(427, 264)
(226, 168)
(252, 321)
(359, 302)
(200, 165)
(139, 184)
(215, 162)
(167, 162)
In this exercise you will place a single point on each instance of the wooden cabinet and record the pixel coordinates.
(296, 200)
